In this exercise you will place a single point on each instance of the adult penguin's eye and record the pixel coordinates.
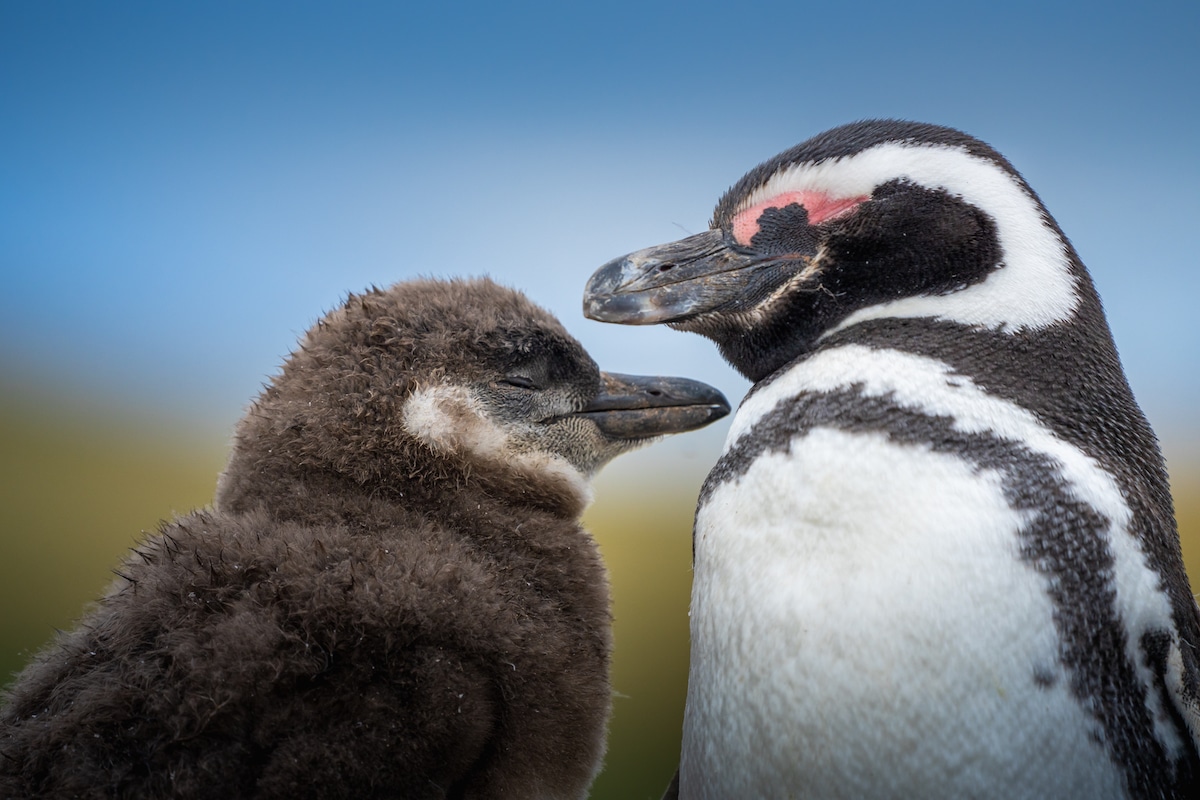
(520, 381)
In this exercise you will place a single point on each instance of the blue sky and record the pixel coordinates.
(185, 187)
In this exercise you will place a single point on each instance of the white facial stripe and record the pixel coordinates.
(931, 387)
(1034, 289)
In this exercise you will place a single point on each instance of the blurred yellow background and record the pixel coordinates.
(78, 487)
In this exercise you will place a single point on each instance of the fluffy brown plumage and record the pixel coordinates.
(391, 596)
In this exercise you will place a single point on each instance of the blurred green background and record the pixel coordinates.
(79, 482)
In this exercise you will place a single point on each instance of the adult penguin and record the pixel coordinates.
(938, 557)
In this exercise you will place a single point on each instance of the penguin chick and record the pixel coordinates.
(938, 557)
(391, 596)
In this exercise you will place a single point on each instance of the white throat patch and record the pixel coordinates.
(1034, 287)
(452, 420)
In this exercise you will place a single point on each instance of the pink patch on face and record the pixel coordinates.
(820, 206)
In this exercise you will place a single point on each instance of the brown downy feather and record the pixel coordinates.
(358, 616)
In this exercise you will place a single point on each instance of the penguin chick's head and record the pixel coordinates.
(460, 379)
(873, 219)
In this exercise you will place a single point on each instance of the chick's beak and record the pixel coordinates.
(644, 406)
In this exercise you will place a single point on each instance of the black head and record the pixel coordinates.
(431, 380)
(873, 219)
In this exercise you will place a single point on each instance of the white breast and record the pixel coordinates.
(863, 624)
